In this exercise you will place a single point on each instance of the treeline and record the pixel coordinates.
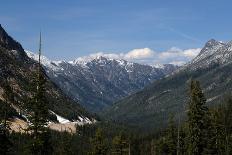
(88, 139)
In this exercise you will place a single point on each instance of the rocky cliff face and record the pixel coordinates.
(213, 53)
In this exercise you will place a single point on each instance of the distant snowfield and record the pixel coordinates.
(82, 120)
(19, 125)
(68, 126)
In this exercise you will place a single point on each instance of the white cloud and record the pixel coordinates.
(139, 54)
(178, 55)
(178, 63)
(174, 55)
(191, 53)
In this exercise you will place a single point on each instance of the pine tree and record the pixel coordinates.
(226, 115)
(161, 146)
(197, 118)
(5, 143)
(99, 146)
(217, 136)
(119, 144)
(39, 113)
(211, 133)
(182, 141)
(171, 138)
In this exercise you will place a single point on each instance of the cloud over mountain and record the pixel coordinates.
(173, 55)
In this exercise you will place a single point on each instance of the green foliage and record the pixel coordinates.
(171, 139)
(6, 111)
(111, 136)
(197, 119)
(224, 118)
(206, 131)
(120, 145)
(98, 142)
(168, 143)
(38, 118)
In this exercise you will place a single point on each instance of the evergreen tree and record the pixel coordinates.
(99, 146)
(39, 113)
(197, 118)
(167, 144)
(120, 145)
(182, 141)
(5, 143)
(226, 115)
(65, 140)
(161, 146)
(171, 136)
(211, 134)
(216, 133)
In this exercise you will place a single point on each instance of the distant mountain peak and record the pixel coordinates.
(214, 52)
(212, 43)
(83, 61)
(100, 59)
(210, 48)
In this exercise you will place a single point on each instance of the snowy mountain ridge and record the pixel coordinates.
(83, 61)
(213, 53)
(98, 81)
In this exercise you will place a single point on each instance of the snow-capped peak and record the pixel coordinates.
(209, 49)
(86, 59)
(81, 60)
(161, 66)
(214, 52)
(44, 60)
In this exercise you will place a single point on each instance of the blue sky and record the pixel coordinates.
(76, 28)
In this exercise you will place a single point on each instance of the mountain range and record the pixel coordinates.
(120, 91)
(152, 106)
(99, 82)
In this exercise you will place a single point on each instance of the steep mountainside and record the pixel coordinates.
(98, 82)
(17, 69)
(214, 53)
(152, 106)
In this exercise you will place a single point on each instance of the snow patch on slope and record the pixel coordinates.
(60, 119)
(82, 120)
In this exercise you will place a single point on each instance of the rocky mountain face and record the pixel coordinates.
(152, 106)
(9, 43)
(98, 82)
(19, 71)
(213, 53)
